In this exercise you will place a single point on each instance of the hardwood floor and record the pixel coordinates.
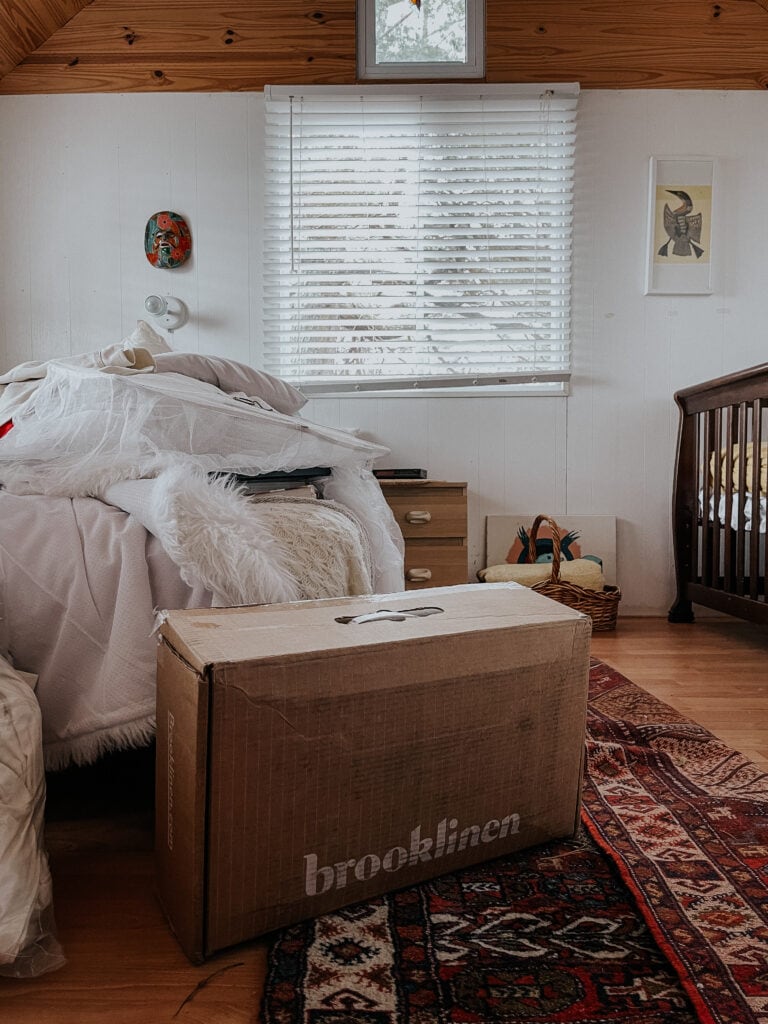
(714, 671)
(123, 964)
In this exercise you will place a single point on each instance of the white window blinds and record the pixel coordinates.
(418, 237)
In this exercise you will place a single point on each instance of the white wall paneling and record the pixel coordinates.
(157, 171)
(15, 236)
(80, 175)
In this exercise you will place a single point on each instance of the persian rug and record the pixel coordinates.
(655, 913)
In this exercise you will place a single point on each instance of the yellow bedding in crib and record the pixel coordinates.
(720, 457)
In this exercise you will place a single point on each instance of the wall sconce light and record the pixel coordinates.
(170, 312)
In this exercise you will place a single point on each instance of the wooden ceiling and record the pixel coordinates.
(56, 46)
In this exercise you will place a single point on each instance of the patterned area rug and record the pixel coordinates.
(655, 913)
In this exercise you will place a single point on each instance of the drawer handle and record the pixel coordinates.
(418, 517)
(418, 575)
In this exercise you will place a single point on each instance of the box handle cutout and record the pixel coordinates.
(386, 614)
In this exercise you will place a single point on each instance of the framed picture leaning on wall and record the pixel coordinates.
(680, 237)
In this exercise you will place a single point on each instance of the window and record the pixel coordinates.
(420, 39)
(419, 239)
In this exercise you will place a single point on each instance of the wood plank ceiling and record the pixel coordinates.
(54, 46)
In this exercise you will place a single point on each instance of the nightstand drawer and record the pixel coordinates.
(435, 565)
(439, 510)
(432, 516)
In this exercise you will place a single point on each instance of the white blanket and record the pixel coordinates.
(82, 430)
(79, 584)
(81, 578)
(754, 512)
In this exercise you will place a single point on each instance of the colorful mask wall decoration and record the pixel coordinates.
(167, 240)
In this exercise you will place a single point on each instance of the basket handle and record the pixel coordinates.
(555, 574)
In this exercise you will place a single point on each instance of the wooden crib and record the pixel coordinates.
(720, 496)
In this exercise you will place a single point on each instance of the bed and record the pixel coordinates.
(720, 496)
(116, 502)
(135, 479)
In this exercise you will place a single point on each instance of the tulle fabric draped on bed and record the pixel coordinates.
(83, 429)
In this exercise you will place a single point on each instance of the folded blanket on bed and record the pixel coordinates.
(749, 516)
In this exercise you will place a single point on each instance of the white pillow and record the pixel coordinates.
(233, 378)
(143, 336)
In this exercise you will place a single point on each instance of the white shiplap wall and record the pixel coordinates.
(80, 175)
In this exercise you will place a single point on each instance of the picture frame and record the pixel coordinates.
(681, 246)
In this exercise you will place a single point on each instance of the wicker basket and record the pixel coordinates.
(602, 606)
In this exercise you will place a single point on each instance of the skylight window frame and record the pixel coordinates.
(369, 70)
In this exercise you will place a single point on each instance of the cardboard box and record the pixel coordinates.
(304, 764)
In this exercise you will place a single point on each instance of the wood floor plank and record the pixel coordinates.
(123, 963)
(714, 671)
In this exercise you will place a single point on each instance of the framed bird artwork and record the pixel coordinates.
(680, 226)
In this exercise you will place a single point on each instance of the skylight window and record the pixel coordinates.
(420, 39)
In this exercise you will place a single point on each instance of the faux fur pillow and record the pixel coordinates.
(233, 377)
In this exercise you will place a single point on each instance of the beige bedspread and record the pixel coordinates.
(81, 582)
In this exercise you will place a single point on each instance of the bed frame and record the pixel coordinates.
(720, 566)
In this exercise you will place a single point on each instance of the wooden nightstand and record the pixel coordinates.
(432, 515)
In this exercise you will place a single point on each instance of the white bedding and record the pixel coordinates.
(109, 512)
(79, 582)
(749, 516)
(82, 430)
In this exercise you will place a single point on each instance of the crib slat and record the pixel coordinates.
(763, 496)
(717, 492)
(707, 524)
(742, 497)
(754, 486)
(729, 575)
